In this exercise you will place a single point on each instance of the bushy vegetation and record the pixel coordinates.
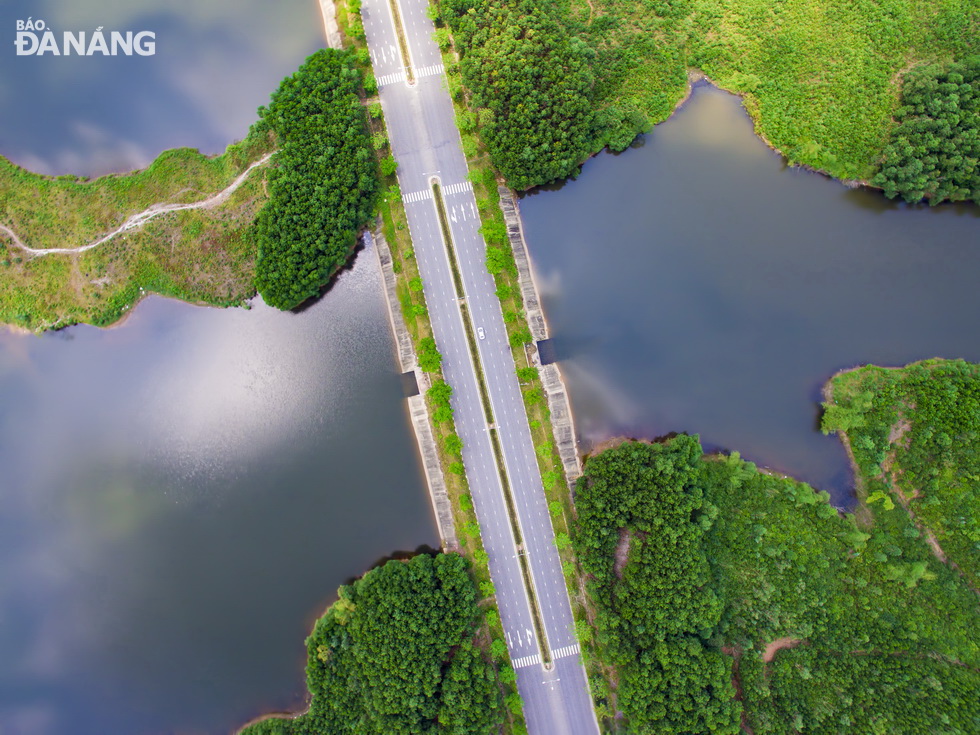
(820, 77)
(915, 434)
(394, 656)
(198, 255)
(934, 152)
(533, 81)
(323, 185)
(759, 560)
(824, 693)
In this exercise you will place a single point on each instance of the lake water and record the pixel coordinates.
(180, 497)
(696, 283)
(215, 63)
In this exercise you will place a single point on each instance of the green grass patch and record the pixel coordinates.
(201, 255)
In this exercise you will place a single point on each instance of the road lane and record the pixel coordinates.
(426, 144)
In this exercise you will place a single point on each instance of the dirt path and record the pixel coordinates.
(778, 645)
(138, 220)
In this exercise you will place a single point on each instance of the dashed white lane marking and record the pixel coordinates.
(418, 196)
(523, 661)
(566, 651)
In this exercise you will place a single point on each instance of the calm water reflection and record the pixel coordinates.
(215, 63)
(698, 284)
(181, 496)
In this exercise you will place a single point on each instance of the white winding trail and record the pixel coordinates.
(138, 220)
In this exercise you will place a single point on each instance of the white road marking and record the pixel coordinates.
(418, 196)
(565, 651)
(398, 76)
(430, 71)
(525, 661)
(458, 188)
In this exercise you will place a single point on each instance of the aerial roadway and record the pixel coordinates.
(426, 144)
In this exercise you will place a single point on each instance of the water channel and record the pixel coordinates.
(181, 496)
(696, 283)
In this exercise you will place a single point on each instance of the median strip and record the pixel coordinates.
(402, 41)
(494, 439)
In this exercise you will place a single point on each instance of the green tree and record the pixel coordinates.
(394, 656)
(317, 204)
(430, 361)
(453, 444)
(388, 165)
(934, 152)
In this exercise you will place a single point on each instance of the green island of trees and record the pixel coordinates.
(728, 597)
(323, 182)
(395, 655)
(287, 228)
(820, 77)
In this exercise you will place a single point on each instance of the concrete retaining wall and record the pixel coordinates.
(417, 409)
(331, 30)
(562, 421)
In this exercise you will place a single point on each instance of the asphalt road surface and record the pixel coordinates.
(426, 145)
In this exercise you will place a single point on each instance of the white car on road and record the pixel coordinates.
(480, 333)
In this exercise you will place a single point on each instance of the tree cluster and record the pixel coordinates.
(658, 609)
(323, 183)
(430, 359)
(393, 656)
(532, 82)
(824, 693)
(695, 561)
(934, 152)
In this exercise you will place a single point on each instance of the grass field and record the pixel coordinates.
(202, 255)
(820, 77)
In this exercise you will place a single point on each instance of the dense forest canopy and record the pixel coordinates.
(534, 79)
(820, 77)
(934, 152)
(324, 180)
(394, 656)
(659, 610)
(704, 568)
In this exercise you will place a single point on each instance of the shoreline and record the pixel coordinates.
(694, 76)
